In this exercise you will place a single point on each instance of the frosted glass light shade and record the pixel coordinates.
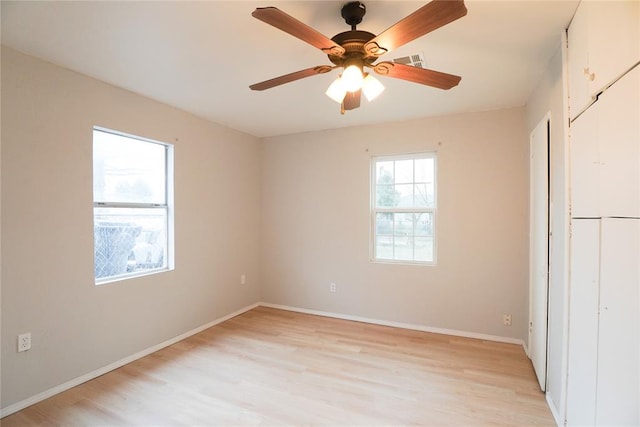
(352, 78)
(371, 87)
(337, 91)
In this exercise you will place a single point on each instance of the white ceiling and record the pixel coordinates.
(202, 56)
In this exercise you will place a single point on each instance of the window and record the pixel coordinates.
(403, 211)
(132, 205)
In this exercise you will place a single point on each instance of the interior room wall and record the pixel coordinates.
(47, 227)
(548, 97)
(316, 224)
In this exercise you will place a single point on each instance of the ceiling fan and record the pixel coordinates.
(356, 50)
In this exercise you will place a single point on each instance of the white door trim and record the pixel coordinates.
(539, 247)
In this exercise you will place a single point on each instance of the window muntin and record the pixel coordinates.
(132, 203)
(404, 208)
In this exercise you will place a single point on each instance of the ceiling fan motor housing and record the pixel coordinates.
(353, 12)
(353, 43)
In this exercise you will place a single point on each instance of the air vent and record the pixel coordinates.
(415, 60)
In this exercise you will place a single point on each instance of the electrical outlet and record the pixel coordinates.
(243, 279)
(332, 287)
(506, 319)
(24, 342)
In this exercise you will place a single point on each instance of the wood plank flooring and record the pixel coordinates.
(276, 367)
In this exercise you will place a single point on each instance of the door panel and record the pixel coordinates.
(539, 250)
(619, 147)
(617, 394)
(578, 62)
(583, 322)
(611, 20)
(585, 167)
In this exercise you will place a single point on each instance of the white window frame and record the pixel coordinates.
(375, 210)
(168, 206)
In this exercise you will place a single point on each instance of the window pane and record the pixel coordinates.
(404, 171)
(384, 173)
(384, 247)
(405, 195)
(403, 224)
(421, 170)
(424, 249)
(128, 170)
(403, 248)
(421, 196)
(384, 224)
(386, 196)
(424, 224)
(431, 194)
(129, 240)
(425, 170)
(425, 196)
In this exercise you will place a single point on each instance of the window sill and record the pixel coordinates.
(120, 278)
(399, 262)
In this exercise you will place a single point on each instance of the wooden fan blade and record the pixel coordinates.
(417, 75)
(352, 100)
(430, 17)
(279, 19)
(277, 81)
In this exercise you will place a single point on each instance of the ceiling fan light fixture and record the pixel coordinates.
(337, 91)
(371, 87)
(352, 78)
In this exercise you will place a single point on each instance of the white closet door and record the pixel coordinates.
(617, 392)
(585, 166)
(578, 56)
(539, 249)
(583, 321)
(604, 42)
(613, 40)
(619, 147)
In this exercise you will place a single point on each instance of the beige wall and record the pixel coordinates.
(548, 97)
(315, 224)
(47, 229)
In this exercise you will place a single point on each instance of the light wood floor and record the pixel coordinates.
(276, 367)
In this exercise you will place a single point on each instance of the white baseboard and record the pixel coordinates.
(115, 365)
(554, 411)
(399, 324)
